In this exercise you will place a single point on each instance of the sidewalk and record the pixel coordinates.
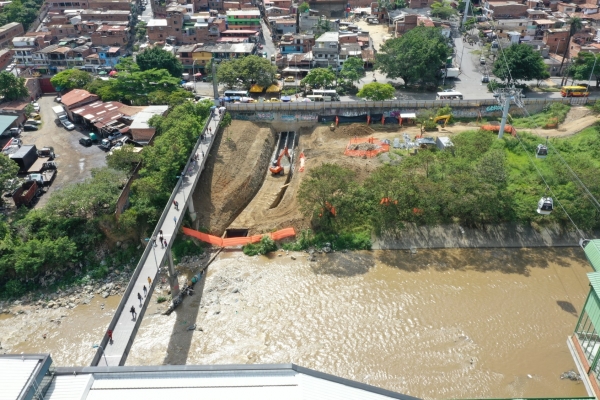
(126, 327)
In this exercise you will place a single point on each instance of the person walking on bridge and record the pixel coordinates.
(140, 298)
(176, 204)
(133, 312)
(145, 291)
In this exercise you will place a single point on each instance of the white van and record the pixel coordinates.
(314, 97)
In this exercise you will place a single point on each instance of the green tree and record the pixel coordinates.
(8, 171)
(586, 65)
(322, 191)
(442, 10)
(353, 69)
(124, 159)
(227, 74)
(254, 69)
(71, 79)
(11, 87)
(415, 57)
(157, 58)
(303, 7)
(29, 109)
(400, 4)
(140, 31)
(319, 77)
(377, 91)
(126, 64)
(575, 25)
(520, 62)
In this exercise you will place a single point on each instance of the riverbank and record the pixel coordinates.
(509, 235)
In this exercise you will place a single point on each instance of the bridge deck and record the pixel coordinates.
(126, 326)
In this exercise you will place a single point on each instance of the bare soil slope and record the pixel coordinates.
(233, 174)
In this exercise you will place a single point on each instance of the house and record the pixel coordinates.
(504, 9)
(248, 19)
(5, 58)
(77, 98)
(296, 43)
(111, 35)
(326, 49)
(108, 56)
(139, 128)
(556, 39)
(109, 5)
(314, 23)
(227, 51)
(284, 26)
(9, 31)
(185, 56)
(200, 58)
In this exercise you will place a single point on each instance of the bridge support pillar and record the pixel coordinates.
(191, 209)
(173, 282)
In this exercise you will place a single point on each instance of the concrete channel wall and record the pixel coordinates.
(313, 112)
(146, 254)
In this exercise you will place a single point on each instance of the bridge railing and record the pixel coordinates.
(146, 253)
(326, 105)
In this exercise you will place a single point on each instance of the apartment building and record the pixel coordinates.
(248, 19)
(284, 26)
(185, 56)
(180, 28)
(504, 9)
(326, 49)
(200, 58)
(106, 16)
(67, 5)
(111, 35)
(296, 43)
(556, 40)
(311, 23)
(110, 5)
(10, 31)
(228, 51)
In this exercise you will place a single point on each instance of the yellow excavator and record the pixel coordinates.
(445, 118)
(276, 168)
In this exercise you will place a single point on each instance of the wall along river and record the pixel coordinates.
(440, 324)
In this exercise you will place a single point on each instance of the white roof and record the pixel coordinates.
(329, 37)
(69, 387)
(140, 120)
(14, 375)
(243, 12)
(216, 382)
(157, 22)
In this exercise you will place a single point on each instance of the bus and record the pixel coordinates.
(449, 96)
(236, 93)
(318, 97)
(574, 91)
(332, 94)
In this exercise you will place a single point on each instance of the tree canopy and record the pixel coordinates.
(353, 69)
(319, 77)
(157, 58)
(71, 79)
(246, 71)
(377, 91)
(520, 62)
(442, 10)
(583, 67)
(11, 87)
(8, 171)
(24, 12)
(416, 56)
(303, 7)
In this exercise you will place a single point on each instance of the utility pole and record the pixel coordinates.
(466, 14)
(504, 96)
(215, 84)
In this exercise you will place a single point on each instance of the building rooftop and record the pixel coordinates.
(9, 26)
(328, 37)
(243, 12)
(188, 48)
(229, 48)
(112, 28)
(140, 120)
(5, 122)
(75, 96)
(157, 22)
(19, 371)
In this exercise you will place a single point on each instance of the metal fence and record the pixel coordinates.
(323, 106)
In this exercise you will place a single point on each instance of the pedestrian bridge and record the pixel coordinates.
(123, 325)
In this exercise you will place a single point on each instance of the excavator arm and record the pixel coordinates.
(276, 168)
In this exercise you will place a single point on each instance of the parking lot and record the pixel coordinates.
(74, 161)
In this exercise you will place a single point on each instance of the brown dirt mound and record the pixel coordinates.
(363, 146)
(233, 174)
(352, 130)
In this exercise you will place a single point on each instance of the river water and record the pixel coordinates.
(457, 323)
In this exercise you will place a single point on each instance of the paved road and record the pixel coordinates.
(126, 327)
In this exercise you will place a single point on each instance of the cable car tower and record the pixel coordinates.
(504, 97)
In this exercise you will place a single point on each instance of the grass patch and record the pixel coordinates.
(185, 246)
(555, 113)
(266, 245)
(359, 240)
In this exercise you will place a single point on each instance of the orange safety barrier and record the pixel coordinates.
(302, 160)
(378, 147)
(238, 241)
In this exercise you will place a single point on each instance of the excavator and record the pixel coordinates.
(276, 168)
(444, 118)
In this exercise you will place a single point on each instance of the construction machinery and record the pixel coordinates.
(284, 154)
(444, 118)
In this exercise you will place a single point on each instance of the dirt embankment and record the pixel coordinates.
(233, 174)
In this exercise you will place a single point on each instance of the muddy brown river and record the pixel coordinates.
(440, 324)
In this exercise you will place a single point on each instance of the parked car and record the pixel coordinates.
(115, 136)
(27, 127)
(482, 60)
(15, 142)
(67, 124)
(289, 79)
(277, 76)
(485, 79)
(84, 141)
(274, 100)
(14, 132)
(35, 116)
(32, 121)
(36, 106)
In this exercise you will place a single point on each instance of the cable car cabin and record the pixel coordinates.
(545, 206)
(541, 151)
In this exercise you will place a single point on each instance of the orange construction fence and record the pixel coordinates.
(238, 241)
(378, 147)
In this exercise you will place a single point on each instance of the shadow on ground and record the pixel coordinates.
(344, 264)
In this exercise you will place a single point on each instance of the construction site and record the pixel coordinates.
(239, 194)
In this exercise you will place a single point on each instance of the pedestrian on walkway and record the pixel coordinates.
(160, 233)
(145, 291)
(154, 242)
(210, 130)
(149, 281)
(140, 298)
(133, 312)
(175, 219)
(109, 334)
(165, 242)
(202, 153)
(176, 204)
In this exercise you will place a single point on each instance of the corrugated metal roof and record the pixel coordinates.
(592, 252)
(69, 387)
(219, 393)
(14, 374)
(594, 278)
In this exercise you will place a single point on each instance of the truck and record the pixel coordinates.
(43, 178)
(451, 72)
(112, 141)
(24, 195)
(59, 111)
(25, 157)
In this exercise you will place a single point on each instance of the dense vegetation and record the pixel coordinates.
(484, 181)
(67, 239)
(24, 12)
